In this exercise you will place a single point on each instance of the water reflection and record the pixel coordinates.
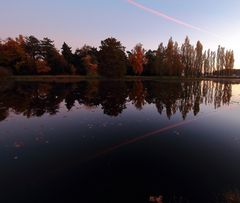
(156, 199)
(232, 196)
(37, 99)
(120, 141)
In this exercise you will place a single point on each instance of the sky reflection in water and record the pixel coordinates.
(115, 141)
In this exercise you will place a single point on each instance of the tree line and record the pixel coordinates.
(112, 97)
(31, 56)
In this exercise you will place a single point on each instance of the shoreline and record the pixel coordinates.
(79, 78)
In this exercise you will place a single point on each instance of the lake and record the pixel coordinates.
(120, 141)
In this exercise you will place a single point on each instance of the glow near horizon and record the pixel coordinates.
(89, 22)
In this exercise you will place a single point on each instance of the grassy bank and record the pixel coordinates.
(49, 78)
(78, 78)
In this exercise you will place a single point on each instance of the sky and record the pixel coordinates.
(79, 22)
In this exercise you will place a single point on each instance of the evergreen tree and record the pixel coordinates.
(33, 47)
(54, 60)
(67, 53)
(112, 58)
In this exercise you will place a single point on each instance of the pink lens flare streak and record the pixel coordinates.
(169, 18)
(157, 132)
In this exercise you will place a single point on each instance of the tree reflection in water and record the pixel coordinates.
(37, 99)
(232, 196)
(153, 170)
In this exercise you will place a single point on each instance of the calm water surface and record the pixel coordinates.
(115, 141)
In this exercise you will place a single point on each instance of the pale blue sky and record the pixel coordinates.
(81, 22)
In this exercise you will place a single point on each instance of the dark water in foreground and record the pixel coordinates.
(114, 141)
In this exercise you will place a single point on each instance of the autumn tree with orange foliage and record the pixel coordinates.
(137, 59)
(14, 57)
(138, 94)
